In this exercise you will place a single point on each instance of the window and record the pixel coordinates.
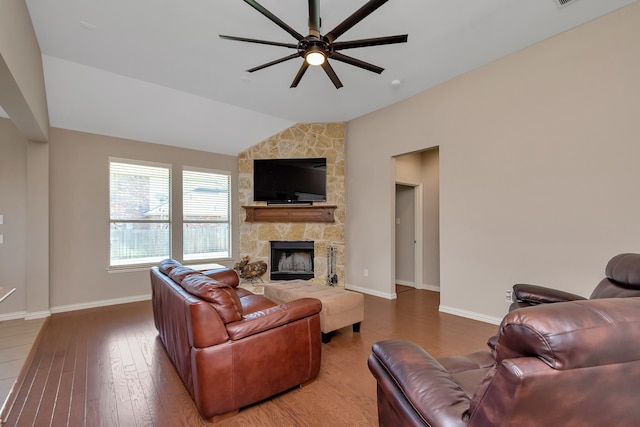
(141, 221)
(206, 200)
(140, 213)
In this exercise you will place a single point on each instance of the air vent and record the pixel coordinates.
(562, 3)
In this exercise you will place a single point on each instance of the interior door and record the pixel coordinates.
(405, 235)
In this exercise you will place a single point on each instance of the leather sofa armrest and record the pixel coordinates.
(263, 320)
(535, 294)
(417, 386)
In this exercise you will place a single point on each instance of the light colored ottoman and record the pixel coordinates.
(340, 307)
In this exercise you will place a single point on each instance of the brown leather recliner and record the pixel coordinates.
(622, 279)
(566, 364)
(230, 347)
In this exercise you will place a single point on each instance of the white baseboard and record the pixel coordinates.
(72, 307)
(371, 292)
(422, 286)
(13, 316)
(23, 315)
(406, 283)
(37, 315)
(102, 303)
(429, 288)
(389, 295)
(470, 315)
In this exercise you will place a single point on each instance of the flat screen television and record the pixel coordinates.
(290, 180)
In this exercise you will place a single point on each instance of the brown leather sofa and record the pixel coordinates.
(232, 348)
(566, 364)
(622, 280)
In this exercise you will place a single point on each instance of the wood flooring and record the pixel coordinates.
(106, 367)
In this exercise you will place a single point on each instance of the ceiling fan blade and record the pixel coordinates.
(314, 18)
(277, 61)
(301, 71)
(371, 42)
(352, 20)
(332, 74)
(358, 63)
(244, 39)
(279, 22)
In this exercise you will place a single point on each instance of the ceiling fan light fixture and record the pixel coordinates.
(315, 48)
(315, 57)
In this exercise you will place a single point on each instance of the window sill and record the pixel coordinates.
(210, 265)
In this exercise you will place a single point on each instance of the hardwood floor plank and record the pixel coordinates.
(126, 414)
(137, 341)
(35, 388)
(107, 367)
(77, 408)
(52, 384)
(135, 393)
(101, 402)
(62, 402)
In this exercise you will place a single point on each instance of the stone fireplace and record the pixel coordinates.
(292, 260)
(301, 140)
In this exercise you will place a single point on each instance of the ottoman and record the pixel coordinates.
(340, 307)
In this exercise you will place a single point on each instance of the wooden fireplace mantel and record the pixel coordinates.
(290, 213)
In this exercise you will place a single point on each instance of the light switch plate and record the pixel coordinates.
(1, 219)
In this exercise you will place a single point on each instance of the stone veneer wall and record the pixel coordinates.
(299, 141)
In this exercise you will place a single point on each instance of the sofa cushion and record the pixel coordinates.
(177, 274)
(223, 298)
(252, 303)
(625, 270)
(242, 292)
(167, 265)
(564, 334)
(224, 275)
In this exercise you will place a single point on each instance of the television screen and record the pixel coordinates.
(290, 180)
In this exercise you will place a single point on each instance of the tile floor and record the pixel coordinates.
(16, 339)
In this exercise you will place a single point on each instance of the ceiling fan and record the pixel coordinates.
(316, 48)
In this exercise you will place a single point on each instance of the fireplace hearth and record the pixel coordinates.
(292, 260)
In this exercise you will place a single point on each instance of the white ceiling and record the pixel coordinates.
(156, 70)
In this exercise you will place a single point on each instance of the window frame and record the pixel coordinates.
(141, 163)
(176, 218)
(228, 221)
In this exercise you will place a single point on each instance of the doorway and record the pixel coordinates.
(417, 219)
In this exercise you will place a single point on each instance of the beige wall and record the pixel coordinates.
(80, 214)
(22, 93)
(37, 233)
(408, 168)
(431, 219)
(13, 205)
(538, 173)
(23, 97)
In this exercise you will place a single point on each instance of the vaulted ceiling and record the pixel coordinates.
(156, 70)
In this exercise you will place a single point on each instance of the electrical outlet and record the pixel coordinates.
(366, 273)
(508, 296)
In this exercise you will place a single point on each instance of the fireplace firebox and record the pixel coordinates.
(292, 260)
